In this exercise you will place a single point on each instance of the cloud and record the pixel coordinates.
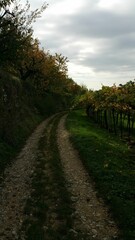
(118, 6)
(98, 37)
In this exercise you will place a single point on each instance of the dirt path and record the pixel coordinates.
(91, 219)
(16, 187)
(91, 216)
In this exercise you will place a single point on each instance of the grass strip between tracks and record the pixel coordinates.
(49, 208)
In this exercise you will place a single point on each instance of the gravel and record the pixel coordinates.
(91, 215)
(16, 187)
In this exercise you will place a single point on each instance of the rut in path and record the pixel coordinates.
(91, 215)
(16, 186)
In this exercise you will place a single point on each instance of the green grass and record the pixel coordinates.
(110, 163)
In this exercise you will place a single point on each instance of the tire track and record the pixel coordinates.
(91, 215)
(16, 187)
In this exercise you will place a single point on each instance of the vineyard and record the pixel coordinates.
(113, 108)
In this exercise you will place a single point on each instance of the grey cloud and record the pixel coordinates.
(92, 24)
(97, 24)
(116, 61)
(114, 33)
(126, 42)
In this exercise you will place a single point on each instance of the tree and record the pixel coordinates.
(16, 30)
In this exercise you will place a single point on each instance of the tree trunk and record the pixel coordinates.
(114, 121)
(121, 125)
(105, 119)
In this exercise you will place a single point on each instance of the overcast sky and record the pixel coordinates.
(97, 36)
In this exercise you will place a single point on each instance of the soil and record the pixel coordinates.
(91, 215)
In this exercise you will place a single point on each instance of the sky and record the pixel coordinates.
(97, 37)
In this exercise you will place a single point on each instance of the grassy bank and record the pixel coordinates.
(23, 128)
(110, 162)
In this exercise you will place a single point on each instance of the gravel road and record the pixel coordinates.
(91, 216)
